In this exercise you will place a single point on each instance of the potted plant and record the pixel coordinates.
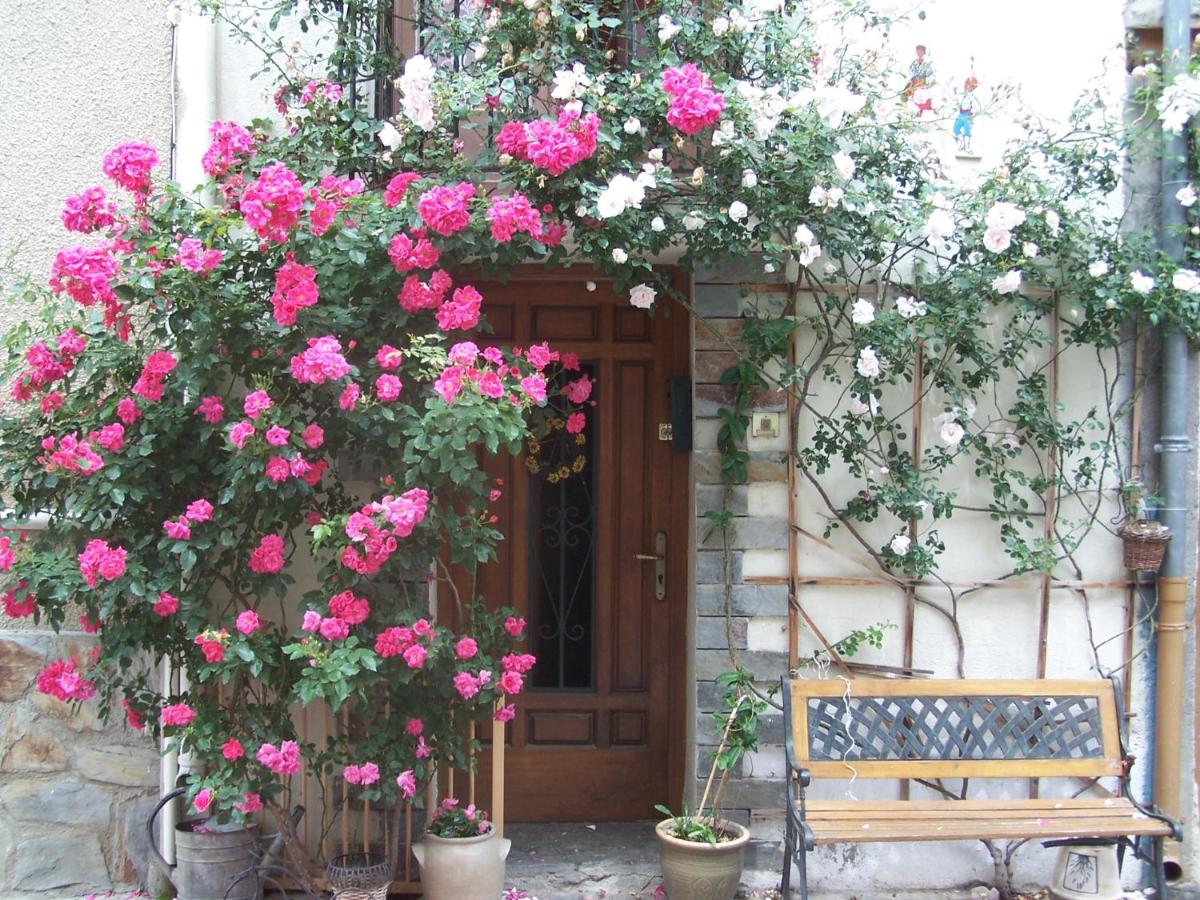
(1144, 540)
(461, 857)
(702, 853)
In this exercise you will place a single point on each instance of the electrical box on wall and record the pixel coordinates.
(764, 425)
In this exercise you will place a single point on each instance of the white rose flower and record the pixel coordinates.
(835, 195)
(738, 22)
(749, 178)
(656, 155)
(720, 26)
(570, 83)
(1186, 195)
(1110, 303)
(997, 239)
(1004, 216)
(632, 126)
(804, 235)
(862, 312)
(868, 365)
(844, 164)
(900, 544)
(769, 268)
(952, 433)
(642, 296)
(1008, 282)
(667, 29)
(389, 136)
(697, 176)
(1186, 280)
(1098, 269)
(591, 286)
(809, 254)
(940, 225)
(858, 408)
(908, 308)
(620, 256)
(738, 210)
(416, 91)
(693, 221)
(1141, 282)
(1052, 221)
(818, 196)
(621, 192)
(1029, 249)
(657, 224)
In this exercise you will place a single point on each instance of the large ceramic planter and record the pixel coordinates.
(462, 868)
(699, 871)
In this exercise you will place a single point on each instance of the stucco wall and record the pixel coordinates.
(79, 77)
(1021, 44)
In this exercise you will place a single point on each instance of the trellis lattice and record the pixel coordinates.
(895, 728)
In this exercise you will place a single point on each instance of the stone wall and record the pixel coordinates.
(758, 541)
(79, 78)
(74, 793)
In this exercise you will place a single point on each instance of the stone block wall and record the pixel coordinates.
(758, 541)
(74, 792)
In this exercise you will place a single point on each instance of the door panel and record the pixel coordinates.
(599, 730)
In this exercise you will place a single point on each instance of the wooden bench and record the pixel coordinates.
(931, 730)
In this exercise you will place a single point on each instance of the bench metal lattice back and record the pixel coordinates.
(945, 728)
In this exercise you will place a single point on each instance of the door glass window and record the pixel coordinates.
(562, 565)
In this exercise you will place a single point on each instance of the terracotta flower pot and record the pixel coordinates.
(694, 870)
(462, 868)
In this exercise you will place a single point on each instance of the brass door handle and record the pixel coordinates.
(659, 558)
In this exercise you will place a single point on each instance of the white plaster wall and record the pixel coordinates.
(1051, 53)
(79, 77)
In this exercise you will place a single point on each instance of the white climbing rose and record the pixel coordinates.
(868, 365)
(862, 312)
(900, 544)
(642, 296)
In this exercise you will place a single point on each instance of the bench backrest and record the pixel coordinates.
(953, 729)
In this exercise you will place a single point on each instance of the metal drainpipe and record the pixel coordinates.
(1174, 446)
(194, 106)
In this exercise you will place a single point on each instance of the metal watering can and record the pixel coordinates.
(208, 862)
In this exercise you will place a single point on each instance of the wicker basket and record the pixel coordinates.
(359, 876)
(1144, 552)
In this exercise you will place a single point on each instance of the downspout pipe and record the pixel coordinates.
(193, 90)
(1174, 447)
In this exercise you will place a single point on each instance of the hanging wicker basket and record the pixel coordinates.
(359, 876)
(1145, 545)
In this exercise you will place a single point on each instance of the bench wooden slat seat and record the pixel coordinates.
(835, 822)
(932, 730)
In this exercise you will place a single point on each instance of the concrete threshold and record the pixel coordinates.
(619, 861)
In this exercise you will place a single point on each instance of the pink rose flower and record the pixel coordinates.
(240, 433)
(211, 409)
(334, 629)
(166, 605)
(415, 656)
(407, 783)
(177, 715)
(203, 800)
(466, 648)
(277, 436)
(232, 749)
(248, 622)
(313, 436)
(256, 403)
(387, 387)
(312, 621)
(199, 511)
(514, 626)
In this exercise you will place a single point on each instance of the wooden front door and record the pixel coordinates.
(599, 733)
